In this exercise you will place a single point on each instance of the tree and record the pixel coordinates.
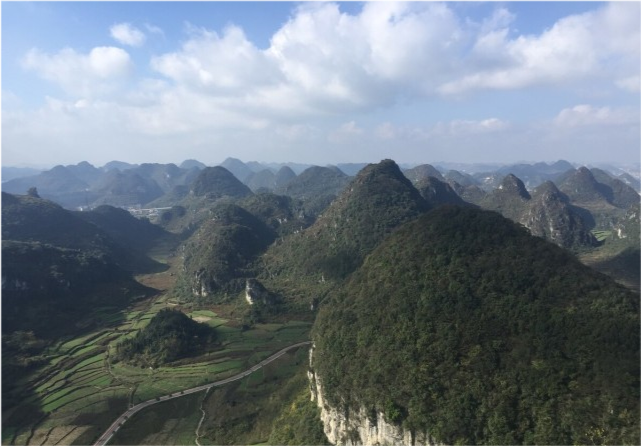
(33, 192)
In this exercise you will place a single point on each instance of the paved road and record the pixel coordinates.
(104, 438)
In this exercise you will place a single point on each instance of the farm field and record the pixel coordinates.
(241, 412)
(79, 390)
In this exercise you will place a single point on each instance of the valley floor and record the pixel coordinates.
(81, 390)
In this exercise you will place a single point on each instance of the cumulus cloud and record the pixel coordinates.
(324, 66)
(98, 72)
(217, 64)
(596, 43)
(127, 34)
(323, 60)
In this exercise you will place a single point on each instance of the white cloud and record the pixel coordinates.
(11, 101)
(369, 59)
(217, 64)
(562, 53)
(468, 127)
(325, 66)
(93, 74)
(386, 130)
(127, 34)
(598, 43)
(632, 83)
(346, 132)
(587, 115)
(154, 29)
(322, 61)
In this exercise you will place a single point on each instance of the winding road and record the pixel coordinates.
(104, 438)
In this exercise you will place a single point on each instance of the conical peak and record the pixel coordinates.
(513, 185)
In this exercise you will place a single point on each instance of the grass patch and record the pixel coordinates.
(601, 235)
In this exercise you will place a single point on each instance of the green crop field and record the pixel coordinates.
(601, 234)
(79, 390)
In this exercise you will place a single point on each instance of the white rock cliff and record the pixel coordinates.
(354, 427)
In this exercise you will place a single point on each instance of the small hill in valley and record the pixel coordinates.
(462, 328)
(219, 256)
(169, 336)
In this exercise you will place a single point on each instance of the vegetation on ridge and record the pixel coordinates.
(463, 325)
(170, 335)
(378, 200)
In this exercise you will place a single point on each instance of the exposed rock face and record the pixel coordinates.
(217, 258)
(347, 426)
(628, 226)
(256, 292)
(547, 213)
(551, 216)
(437, 192)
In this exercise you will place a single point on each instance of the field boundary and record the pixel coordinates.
(111, 431)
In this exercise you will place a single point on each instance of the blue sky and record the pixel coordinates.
(418, 82)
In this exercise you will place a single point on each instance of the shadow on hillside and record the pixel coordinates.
(624, 267)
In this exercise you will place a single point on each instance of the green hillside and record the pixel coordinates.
(32, 219)
(170, 335)
(219, 256)
(378, 200)
(463, 325)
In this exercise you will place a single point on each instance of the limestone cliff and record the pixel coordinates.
(358, 426)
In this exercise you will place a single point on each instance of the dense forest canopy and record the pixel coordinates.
(170, 335)
(463, 325)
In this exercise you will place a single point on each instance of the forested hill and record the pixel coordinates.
(378, 200)
(463, 325)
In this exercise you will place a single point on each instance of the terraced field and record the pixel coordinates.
(81, 390)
